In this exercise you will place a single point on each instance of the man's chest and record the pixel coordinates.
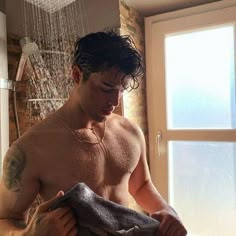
(104, 163)
(113, 154)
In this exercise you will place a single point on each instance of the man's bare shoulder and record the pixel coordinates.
(48, 126)
(126, 124)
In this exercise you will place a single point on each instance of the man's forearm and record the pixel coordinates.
(12, 227)
(149, 198)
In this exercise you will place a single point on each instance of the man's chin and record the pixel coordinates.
(100, 119)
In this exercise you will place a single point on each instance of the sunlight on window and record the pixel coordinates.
(202, 186)
(200, 79)
(200, 88)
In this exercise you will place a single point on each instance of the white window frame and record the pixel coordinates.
(156, 27)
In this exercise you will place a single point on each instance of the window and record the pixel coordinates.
(200, 79)
(192, 114)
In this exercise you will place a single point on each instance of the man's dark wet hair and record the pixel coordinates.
(97, 52)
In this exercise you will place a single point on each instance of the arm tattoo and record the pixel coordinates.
(14, 164)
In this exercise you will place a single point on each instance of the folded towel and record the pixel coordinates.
(99, 217)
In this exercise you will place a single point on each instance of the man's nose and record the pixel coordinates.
(115, 98)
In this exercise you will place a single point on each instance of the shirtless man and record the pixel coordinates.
(83, 142)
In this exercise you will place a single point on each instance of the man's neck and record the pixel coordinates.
(74, 116)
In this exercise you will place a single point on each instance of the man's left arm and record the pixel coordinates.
(147, 196)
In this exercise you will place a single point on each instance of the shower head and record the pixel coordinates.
(51, 6)
(28, 46)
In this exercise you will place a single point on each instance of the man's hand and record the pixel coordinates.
(59, 222)
(170, 224)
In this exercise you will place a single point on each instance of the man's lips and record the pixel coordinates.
(108, 110)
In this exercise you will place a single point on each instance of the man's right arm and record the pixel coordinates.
(18, 188)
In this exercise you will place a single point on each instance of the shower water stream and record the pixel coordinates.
(48, 70)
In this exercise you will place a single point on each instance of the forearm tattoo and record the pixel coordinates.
(14, 164)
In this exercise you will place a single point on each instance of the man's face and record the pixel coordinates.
(100, 93)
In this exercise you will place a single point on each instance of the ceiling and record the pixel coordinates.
(153, 7)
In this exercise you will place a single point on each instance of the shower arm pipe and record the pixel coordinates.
(15, 111)
(21, 66)
(54, 52)
(18, 77)
(46, 99)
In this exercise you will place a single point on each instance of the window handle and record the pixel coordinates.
(158, 141)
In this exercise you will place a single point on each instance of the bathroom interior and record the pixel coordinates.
(36, 45)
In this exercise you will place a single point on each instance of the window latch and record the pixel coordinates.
(158, 141)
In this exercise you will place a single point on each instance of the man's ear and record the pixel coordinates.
(76, 74)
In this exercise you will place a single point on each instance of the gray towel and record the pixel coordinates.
(99, 217)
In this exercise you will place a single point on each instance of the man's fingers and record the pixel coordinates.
(70, 224)
(60, 212)
(46, 205)
(68, 218)
(171, 229)
(165, 226)
(73, 231)
(169, 225)
(157, 216)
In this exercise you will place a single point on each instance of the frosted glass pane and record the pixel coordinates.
(200, 84)
(202, 186)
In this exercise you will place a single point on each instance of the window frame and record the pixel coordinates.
(156, 27)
